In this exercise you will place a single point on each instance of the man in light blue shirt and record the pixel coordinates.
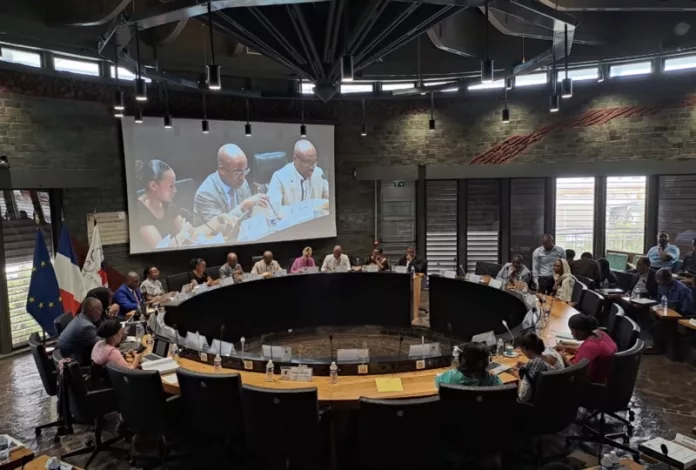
(543, 259)
(664, 254)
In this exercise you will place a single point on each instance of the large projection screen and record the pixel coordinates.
(187, 189)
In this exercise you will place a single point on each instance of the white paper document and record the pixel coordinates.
(677, 452)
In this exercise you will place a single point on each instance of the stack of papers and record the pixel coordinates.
(163, 366)
(679, 452)
(391, 384)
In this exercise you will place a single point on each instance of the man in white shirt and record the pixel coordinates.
(543, 259)
(267, 265)
(335, 260)
(301, 180)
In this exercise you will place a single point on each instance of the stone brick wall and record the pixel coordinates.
(52, 122)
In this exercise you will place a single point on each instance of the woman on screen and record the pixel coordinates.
(304, 261)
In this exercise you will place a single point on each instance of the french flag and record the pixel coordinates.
(72, 289)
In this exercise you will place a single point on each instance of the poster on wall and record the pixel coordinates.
(113, 227)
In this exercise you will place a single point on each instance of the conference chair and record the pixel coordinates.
(290, 415)
(589, 283)
(611, 398)
(143, 405)
(176, 281)
(255, 259)
(624, 280)
(62, 322)
(614, 311)
(487, 269)
(265, 164)
(554, 405)
(49, 379)
(478, 421)
(625, 332)
(578, 290)
(385, 425)
(89, 407)
(213, 412)
(213, 272)
(591, 303)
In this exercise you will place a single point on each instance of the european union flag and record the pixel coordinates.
(44, 302)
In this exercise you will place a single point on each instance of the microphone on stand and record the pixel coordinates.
(508, 329)
(461, 268)
(665, 452)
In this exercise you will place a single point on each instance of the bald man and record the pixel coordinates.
(128, 295)
(300, 180)
(226, 191)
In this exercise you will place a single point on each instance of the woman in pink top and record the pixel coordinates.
(597, 347)
(304, 261)
(106, 351)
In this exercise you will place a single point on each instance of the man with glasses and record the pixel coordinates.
(301, 180)
(227, 191)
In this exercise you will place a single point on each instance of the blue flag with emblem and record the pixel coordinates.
(44, 302)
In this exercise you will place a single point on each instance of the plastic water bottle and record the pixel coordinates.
(500, 347)
(333, 373)
(139, 331)
(269, 371)
(610, 462)
(217, 363)
(455, 357)
(663, 304)
(605, 283)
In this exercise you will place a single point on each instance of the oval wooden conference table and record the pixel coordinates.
(350, 389)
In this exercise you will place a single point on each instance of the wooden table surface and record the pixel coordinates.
(352, 388)
(670, 315)
(39, 463)
(17, 457)
(686, 323)
(629, 464)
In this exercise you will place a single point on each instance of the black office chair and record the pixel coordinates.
(623, 280)
(589, 283)
(213, 409)
(491, 410)
(555, 403)
(62, 322)
(213, 272)
(625, 332)
(49, 378)
(385, 425)
(292, 414)
(611, 398)
(578, 290)
(176, 281)
(267, 163)
(484, 268)
(89, 407)
(143, 405)
(614, 311)
(591, 303)
(255, 259)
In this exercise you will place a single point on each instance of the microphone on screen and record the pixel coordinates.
(508, 329)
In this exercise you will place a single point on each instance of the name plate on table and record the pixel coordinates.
(227, 281)
(250, 277)
(341, 269)
(280, 273)
(223, 348)
(371, 268)
(475, 278)
(282, 353)
(495, 283)
(401, 269)
(310, 270)
(353, 355)
(300, 374)
(424, 350)
(449, 274)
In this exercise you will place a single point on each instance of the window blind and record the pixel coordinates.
(526, 217)
(675, 211)
(483, 222)
(441, 225)
(575, 213)
(397, 217)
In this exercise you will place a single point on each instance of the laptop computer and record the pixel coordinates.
(488, 338)
(160, 350)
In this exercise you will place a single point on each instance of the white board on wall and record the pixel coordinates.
(113, 227)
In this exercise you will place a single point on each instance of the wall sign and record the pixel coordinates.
(113, 227)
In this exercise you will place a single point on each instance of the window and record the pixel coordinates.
(526, 216)
(398, 218)
(575, 213)
(675, 211)
(591, 73)
(356, 88)
(625, 218)
(531, 79)
(435, 83)
(83, 67)
(397, 86)
(307, 88)
(441, 226)
(625, 70)
(680, 63)
(19, 56)
(124, 74)
(20, 209)
(482, 222)
(487, 86)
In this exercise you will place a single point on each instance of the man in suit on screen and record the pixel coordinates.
(226, 191)
(300, 180)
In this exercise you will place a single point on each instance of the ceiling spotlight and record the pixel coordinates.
(167, 121)
(247, 129)
(567, 88)
(506, 115)
(303, 131)
(347, 68)
(213, 71)
(139, 115)
(431, 124)
(205, 126)
(119, 103)
(140, 89)
(508, 83)
(140, 86)
(554, 103)
(363, 130)
(118, 114)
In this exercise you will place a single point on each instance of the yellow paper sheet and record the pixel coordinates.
(392, 384)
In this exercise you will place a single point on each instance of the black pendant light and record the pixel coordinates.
(119, 101)
(431, 124)
(486, 63)
(346, 58)
(600, 72)
(303, 127)
(363, 130)
(247, 126)
(140, 85)
(214, 78)
(566, 83)
(509, 83)
(167, 115)
(205, 125)
(138, 115)
(554, 98)
(506, 110)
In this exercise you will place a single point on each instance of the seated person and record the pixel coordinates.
(151, 288)
(515, 271)
(379, 260)
(679, 297)
(128, 296)
(570, 256)
(643, 283)
(304, 261)
(80, 336)
(231, 268)
(334, 260)
(412, 261)
(533, 347)
(475, 357)
(267, 266)
(197, 275)
(664, 254)
(607, 278)
(106, 297)
(597, 347)
(563, 280)
(689, 265)
(587, 267)
(106, 351)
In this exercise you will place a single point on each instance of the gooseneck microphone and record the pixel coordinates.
(508, 329)
(665, 452)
